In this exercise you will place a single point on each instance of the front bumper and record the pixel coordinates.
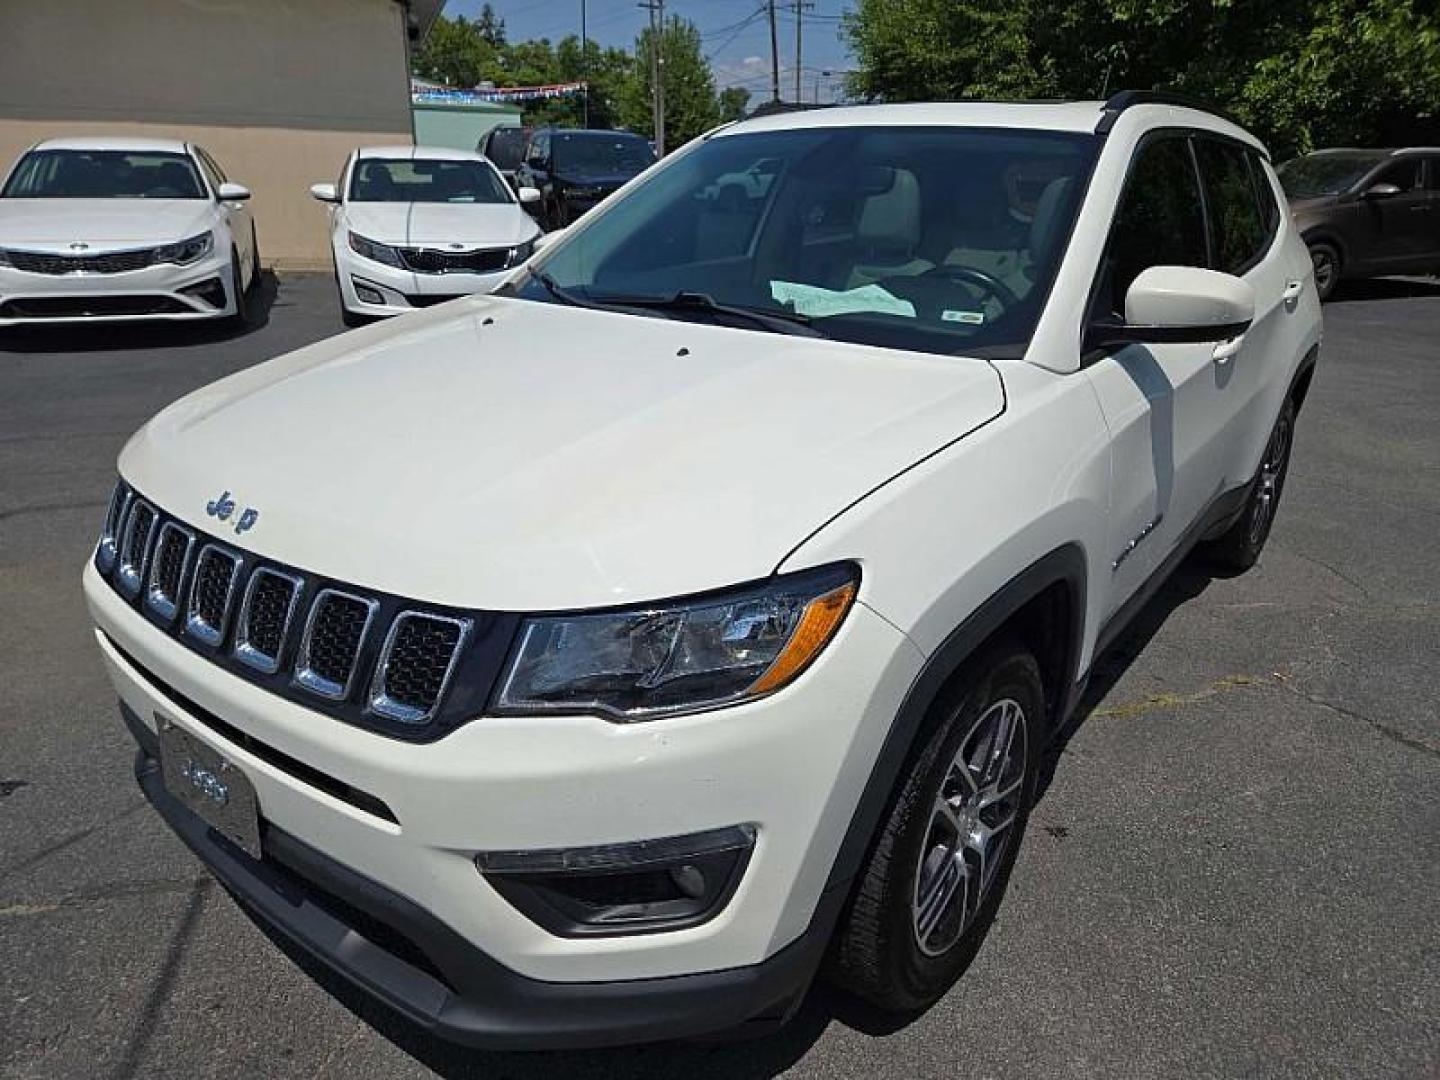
(372, 288)
(395, 951)
(180, 293)
(793, 765)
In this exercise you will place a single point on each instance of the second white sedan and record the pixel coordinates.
(412, 226)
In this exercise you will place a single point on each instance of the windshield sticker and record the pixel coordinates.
(818, 303)
(974, 318)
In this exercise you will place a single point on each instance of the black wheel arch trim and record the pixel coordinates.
(1066, 566)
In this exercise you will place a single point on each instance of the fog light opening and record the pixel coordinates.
(646, 887)
(367, 294)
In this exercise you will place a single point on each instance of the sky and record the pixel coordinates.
(734, 35)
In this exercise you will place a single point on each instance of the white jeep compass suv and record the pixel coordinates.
(594, 662)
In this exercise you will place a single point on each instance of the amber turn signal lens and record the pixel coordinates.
(822, 618)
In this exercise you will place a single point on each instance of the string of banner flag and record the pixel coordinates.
(421, 94)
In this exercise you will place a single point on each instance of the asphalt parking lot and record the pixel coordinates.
(1233, 871)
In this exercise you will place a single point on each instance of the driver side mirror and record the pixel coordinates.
(231, 192)
(1169, 305)
(528, 194)
(1380, 191)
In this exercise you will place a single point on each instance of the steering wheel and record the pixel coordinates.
(969, 275)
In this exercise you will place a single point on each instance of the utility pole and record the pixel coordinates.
(657, 70)
(774, 56)
(584, 70)
(800, 6)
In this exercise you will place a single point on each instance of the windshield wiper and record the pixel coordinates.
(779, 322)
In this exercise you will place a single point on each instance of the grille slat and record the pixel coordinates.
(415, 665)
(330, 648)
(135, 546)
(110, 534)
(214, 587)
(167, 569)
(265, 614)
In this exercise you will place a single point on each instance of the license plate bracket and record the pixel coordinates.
(211, 786)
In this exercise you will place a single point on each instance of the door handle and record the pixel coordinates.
(1227, 349)
(1292, 291)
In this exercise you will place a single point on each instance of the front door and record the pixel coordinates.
(1165, 404)
(1393, 232)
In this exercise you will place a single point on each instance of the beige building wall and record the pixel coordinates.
(279, 91)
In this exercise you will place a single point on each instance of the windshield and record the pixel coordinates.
(505, 147)
(941, 240)
(601, 152)
(104, 174)
(1325, 174)
(421, 181)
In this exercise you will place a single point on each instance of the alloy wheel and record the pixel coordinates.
(1324, 265)
(1272, 475)
(970, 825)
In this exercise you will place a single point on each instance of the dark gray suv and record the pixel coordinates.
(1364, 213)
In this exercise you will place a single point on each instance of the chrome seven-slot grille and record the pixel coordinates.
(111, 262)
(366, 657)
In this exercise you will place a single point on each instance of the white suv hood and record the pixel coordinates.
(53, 224)
(511, 455)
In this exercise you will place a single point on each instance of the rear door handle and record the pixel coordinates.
(1292, 291)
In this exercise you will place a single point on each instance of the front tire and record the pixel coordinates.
(1239, 547)
(241, 316)
(254, 257)
(941, 862)
(1325, 258)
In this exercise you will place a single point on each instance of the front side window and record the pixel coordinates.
(1160, 221)
(1238, 236)
(935, 239)
(212, 171)
(104, 174)
(1404, 174)
(421, 181)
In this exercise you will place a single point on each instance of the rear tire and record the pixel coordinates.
(1325, 258)
(940, 863)
(1239, 547)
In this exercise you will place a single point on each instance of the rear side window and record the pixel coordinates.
(1269, 208)
(1238, 235)
(1159, 222)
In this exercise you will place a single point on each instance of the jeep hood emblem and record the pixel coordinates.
(223, 508)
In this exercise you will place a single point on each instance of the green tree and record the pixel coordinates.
(691, 105)
(456, 54)
(490, 26)
(733, 100)
(1301, 74)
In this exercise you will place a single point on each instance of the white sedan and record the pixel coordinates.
(412, 226)
(122, 229)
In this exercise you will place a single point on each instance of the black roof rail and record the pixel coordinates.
(1118, 103)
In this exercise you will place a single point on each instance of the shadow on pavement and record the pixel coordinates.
(149, 334)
